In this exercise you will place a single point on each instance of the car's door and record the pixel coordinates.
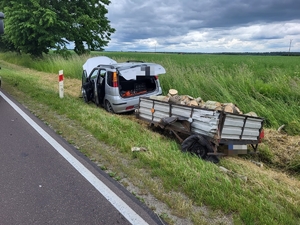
(100, 87)
(88, 85)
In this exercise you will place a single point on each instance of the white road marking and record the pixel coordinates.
(117, 202)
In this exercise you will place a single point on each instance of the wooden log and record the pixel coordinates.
(228, 108)
(193, 103)
(175, 99)
(199, 100)
(160, 98)
(212, 104)
(184, 100)
(219, 108)
(173, 92)
(237, 110)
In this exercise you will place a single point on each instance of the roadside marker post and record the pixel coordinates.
(61, 83)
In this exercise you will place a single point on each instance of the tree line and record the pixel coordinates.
(37, 26)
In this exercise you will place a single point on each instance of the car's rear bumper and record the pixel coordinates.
(121, 105)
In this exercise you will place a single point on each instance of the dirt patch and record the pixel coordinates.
(285, 148)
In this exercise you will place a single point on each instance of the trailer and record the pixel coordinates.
(204, 132)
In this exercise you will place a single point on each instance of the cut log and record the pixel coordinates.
(175, 99)
(184, 100)
(212, 104)
(193, 103)
(160, 98)
(219, 108)
(173, 92)
(199, 100)
(228, 108)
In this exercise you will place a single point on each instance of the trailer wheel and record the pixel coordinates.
(198, 145)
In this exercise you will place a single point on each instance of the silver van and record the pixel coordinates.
(118, 86)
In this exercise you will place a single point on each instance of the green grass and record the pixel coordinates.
(264, 199)
(267, 85)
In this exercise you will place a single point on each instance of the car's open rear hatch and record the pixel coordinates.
(139, 79)
(141, 69)
(142, 85)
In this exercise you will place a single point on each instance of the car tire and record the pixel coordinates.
(108, 107)
(84, 96)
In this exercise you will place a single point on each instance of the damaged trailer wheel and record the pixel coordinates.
(200, 146)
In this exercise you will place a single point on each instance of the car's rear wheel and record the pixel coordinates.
(108, 107)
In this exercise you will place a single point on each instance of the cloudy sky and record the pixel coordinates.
(205, 25)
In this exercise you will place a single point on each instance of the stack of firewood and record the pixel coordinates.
(173, 97)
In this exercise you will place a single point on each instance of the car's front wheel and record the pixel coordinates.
(84, 95)
(108, 107)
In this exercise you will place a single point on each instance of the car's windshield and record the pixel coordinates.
(94, 74)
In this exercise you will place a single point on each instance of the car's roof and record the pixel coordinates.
(129, 70)
(93, 62)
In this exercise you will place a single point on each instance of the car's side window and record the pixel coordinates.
(102, 74)
(94, 74)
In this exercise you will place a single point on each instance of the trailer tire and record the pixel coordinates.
(198, 145)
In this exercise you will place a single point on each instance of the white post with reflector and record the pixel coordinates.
(61, 83)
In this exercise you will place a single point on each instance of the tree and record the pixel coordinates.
(36, 26)
(89, 25)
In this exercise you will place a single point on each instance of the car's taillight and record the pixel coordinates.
(129, 107)
(115, 79)
(261, 135)
(156, 77)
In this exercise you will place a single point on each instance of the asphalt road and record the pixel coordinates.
(44, 180)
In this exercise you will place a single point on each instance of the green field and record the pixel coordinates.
(267, 85)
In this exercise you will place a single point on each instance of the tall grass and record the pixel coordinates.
(267, 85)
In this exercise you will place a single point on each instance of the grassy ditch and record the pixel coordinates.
(180, 180)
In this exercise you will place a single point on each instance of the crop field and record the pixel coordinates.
(267, 85)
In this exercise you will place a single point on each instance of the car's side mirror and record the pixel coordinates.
(1, 23)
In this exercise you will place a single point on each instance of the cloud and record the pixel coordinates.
(204, 26)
